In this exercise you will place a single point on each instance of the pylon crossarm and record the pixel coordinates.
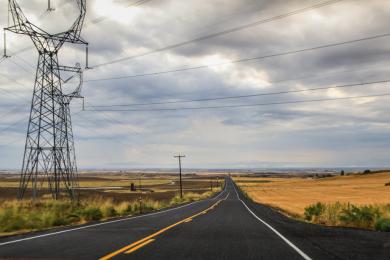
(21, 25)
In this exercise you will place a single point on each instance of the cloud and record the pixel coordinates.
(333, 133)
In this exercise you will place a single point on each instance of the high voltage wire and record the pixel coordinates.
(26, 62)
(126, 144)
(93, 21)
(246, 96)
(14, 124)
(244, 59)
(11, 111)
(102, 18)
(237, 61)
(17, 64)
(11, 79)
(10, 92)
(115, 121)
(10, 143)
(224, 32)
(241, 106)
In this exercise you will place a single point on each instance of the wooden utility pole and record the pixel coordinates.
(140, 194)
(181, 186)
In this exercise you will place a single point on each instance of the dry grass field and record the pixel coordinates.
(101, 197)
(117, 186)
(293, 195)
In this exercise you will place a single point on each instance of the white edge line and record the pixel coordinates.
(108, 222)
(299, 251)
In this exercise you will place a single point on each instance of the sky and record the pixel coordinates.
(338, 133)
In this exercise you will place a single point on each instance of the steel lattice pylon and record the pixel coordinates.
(49, 157)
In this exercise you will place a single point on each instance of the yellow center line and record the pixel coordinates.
(139, 246)
(140, 243)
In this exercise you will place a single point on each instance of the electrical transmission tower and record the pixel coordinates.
(49, 161)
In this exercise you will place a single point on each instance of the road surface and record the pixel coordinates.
(228, 226)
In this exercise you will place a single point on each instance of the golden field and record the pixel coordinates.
(293, 195)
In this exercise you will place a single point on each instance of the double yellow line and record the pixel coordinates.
(149, 239)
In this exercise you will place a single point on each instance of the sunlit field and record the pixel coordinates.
(298, 197)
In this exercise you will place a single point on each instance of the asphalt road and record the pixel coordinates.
(227, 226)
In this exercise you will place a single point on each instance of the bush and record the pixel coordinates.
(363, 217)
(367, 172)
(314, 210)
(383, 224)
(91, 213)
(332, 212)
(346, 214)
(109, 212)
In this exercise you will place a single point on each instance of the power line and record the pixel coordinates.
(25, 61)
(10, 143)
(12, 125)
(16, 82)
(20, 66)
(224, 32)
(11, 93)
(102, 18)
(244, 59)
(242, 105)
(114, 121)
(93, 21)
(14, 109)
(246, 96)
(121, 142)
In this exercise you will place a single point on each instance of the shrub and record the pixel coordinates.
(332, 212)
(363, 217)
(150, 205)
(383, 224)
(109, 211)
(5, 217)
(91, 213)
(367, 172)
(314, 210)
(343, 214)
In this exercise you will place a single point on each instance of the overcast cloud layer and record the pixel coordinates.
(327, 134)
